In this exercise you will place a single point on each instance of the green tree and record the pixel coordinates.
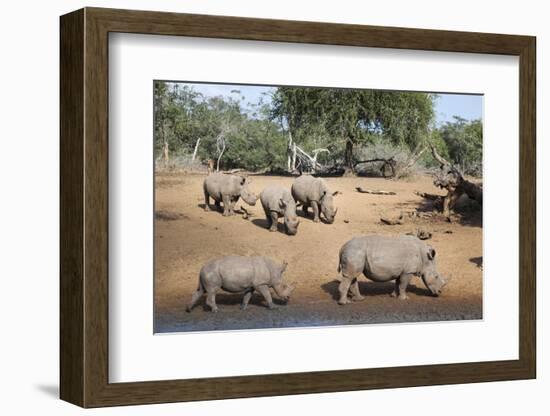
(346, 118)
(464, 141)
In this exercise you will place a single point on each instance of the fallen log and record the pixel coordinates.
(232, 171)
(431, 197)
(389, 221)
(390, 162)
(450, 178)
(374, 191)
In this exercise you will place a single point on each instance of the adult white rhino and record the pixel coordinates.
(384, 258)
(227, 189)
(313, 192)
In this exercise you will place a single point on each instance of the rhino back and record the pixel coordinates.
(217, 184)
(306, 188)
(271, 195)
(238, 273)
(387, 257)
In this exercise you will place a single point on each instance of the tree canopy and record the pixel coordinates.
(342, 122)
(346, 118)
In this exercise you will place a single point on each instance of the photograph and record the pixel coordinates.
(301, 206)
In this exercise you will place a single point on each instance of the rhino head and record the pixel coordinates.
(291, 219)
(282, 289)
(327, 206)
(430, 276)
(248, 196)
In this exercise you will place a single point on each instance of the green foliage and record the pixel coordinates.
(464, 142)
(352, 124)
(350, 117)
(404, 118)
(182, 116)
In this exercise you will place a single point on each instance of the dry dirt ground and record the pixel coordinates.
(186, 237)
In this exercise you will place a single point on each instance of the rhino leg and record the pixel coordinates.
(195, 298)
(218, 205)
(274, 218)
(246, 299)
(395, 292)
(401, 284)
(268, 217)
(304, 209)
(211, 300)
(354, 289)
(315, 208)
(232, 205)
(226, 205)
(264, 290)
(351, 267)
(206, 200)
(343, 288)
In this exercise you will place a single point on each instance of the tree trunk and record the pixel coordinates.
(220, 145)
(349, 169)
(293, 157)
(165, 152)
(219, 158)
(289, 153)
(196, 148)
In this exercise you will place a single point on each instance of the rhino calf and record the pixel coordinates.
(310, 191)
(241, 274)
(385, 258)
(227, 189)
(277, 202)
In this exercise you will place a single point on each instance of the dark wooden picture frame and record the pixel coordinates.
(84, 207)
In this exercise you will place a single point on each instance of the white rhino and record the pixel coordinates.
(277, 202)
(241, 274)
(227, 189)
(310, 191)
(384, 258)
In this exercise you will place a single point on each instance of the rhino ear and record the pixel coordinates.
(336, 193)
(283, 266)
(431, 253)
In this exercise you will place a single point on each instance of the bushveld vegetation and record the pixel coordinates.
(297, 129)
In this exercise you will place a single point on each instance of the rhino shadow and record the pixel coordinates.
(262, 223)
(478, 261)
(235, 299)
(468, 211)
(215, 208)
(373, 289)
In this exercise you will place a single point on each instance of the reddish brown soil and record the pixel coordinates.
(186, 237)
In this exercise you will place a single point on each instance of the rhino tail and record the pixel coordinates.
(339, 267)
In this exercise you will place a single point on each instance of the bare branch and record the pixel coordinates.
(413, 159)
(438, 157)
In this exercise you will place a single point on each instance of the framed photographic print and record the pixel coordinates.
(335, 207)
